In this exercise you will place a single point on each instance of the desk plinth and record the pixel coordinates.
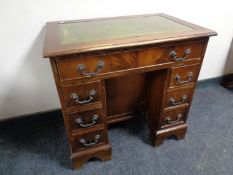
(113, 69)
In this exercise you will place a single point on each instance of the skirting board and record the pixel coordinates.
(57, 112)
(217, 80)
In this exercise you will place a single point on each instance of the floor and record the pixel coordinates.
(39, 146)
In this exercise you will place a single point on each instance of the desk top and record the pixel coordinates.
(74, 37)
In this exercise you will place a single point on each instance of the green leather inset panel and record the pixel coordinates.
(107, 29)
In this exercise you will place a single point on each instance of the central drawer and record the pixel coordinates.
(87, 66)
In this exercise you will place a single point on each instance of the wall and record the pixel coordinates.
(27, 85)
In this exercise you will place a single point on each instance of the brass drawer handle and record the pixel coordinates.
(79, 121)
(173, 54)
(89, 143)
(173, 102)
(99, 68)
(178, 78)
(169, 121)
(92, 94)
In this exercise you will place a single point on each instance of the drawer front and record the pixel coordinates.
(183, 75)
(178, 97)
(82, 94)
(86, 119)
(87, 66)
(97, 65)
(173, 117)
(185, 52)
(88, 140)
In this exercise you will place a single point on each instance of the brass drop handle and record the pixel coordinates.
(173, 54)
(90, 143)
(173, 102)
(79, 121)
(169, 121)
(82, 69)
(92, 94)
(178, 78)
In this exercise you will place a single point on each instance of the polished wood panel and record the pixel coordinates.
(178, 131)
(185, 51)
(112, 63)
(184, 75)
(103, 153)
(155, 97)
(174, 116)
(91, 139)
(178, 96)
(125, 94)
(85, 119)
(83, 93)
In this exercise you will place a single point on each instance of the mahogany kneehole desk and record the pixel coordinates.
(108, 69)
